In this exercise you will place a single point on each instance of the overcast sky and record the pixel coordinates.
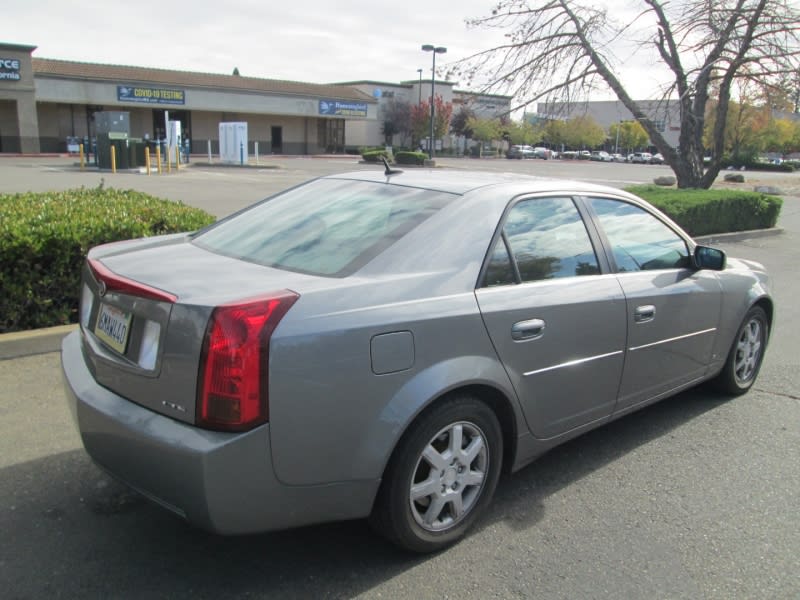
(301, 40)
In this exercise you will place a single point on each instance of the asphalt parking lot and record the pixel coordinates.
(695, 497)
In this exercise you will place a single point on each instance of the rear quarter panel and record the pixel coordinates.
(332, 418)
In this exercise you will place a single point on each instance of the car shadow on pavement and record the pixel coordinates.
(68, 530)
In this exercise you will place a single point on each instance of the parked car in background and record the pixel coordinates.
(601, 156)
(616, 157)
(540, 152)
(657, 159)
(383, 344)
(520, 151)
(641, 157)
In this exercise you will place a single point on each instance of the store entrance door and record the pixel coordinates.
(277, 140)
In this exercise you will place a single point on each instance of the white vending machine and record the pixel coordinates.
(233, 143)
(173, 139)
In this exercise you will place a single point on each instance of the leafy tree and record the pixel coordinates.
(485, 130)
(631, 135)
(459, 122)
(555, 133)
(421, 118)
(522, 133)
(420, 121)
(565, 49)
(583, 132)
(442, 116)
(781, 135)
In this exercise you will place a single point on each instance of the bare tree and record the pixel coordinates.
(563, 50)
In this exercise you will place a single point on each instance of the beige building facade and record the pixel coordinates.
(47, 103)
(44, 102)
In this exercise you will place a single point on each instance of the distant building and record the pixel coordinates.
(368, 133)
(45, 104)
(665, 114)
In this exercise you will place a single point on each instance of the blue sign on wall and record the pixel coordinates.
(148, 95)
(335, 108)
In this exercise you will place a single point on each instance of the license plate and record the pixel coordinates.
(113, 326)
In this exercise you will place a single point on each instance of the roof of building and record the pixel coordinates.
(49, 67)
(482, 94)
(17, 47)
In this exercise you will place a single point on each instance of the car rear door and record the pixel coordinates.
(556, 319)
(672, 308)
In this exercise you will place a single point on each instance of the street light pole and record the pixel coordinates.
(435, 50)
(420, 87)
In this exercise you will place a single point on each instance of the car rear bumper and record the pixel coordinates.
(223, 482)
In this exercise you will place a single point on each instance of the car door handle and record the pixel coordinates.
(644, 314)
(527, 330)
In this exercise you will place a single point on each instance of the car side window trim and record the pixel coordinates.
(585, 216)
(586, 204)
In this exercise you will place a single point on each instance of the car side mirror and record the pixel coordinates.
(709, 258)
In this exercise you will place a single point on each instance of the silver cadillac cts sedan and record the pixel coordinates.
(382, 345)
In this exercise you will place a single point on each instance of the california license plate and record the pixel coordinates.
(113, 326)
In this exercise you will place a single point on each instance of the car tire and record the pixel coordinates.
(441, 476)
(746, 354)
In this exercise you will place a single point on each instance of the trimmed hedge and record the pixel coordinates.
(410, 158)
(703, 212)
(44, 238)
(375, 156)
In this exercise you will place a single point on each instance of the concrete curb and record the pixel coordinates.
(738, 236)
(36, 341)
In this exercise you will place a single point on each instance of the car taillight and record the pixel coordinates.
(234, 368)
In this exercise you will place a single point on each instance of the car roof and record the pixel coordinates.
(462, 181)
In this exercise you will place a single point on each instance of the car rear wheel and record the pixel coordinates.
(745, 357)
(441, 476)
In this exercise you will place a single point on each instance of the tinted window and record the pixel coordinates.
(326, 227)
(548, 239)
(639, 241)
(499, 270)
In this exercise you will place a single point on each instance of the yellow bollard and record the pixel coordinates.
(158, 158)
(113, 159)
(83, 164)
(147, 159)
(177, 157)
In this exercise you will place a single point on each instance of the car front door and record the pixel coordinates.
(556, 320)
(672, 308)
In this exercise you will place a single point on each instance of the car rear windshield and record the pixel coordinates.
(329, 227)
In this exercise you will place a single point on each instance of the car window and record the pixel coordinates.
(639, 241)
(547, 238)
(327, 227)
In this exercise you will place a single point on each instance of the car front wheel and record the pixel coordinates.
(746, 354)
(441, 476)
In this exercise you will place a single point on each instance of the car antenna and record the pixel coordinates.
(389, 170)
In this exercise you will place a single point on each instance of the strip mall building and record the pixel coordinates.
(44, 101)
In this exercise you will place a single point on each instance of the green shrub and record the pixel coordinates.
(44, 238)
(375, 155)
(410, 158)
(751, 163)
(703, 212)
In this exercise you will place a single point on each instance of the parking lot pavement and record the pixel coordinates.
(695, 497)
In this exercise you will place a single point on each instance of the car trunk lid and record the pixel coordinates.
(145, 307)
